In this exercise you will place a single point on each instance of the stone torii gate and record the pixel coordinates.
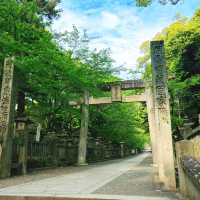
(115, 88)
(157, 102)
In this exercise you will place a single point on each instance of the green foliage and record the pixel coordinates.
(48, 8)
(50, 76)
(182, 44)
(145, 3)
(78, 43)
(120, 123)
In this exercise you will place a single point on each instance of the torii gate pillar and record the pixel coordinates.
(82, 150)
(153, 131)
(162, 115)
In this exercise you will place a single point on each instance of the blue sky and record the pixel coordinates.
(119, 24)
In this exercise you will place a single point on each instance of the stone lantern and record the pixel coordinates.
(21, 124)
(122, 149)
(187, 128)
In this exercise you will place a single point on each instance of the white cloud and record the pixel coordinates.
(109, 20)
(122, 31)
(69, 18)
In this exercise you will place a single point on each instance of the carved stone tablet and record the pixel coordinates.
(159, 73)
(162, 114)
(6, 115)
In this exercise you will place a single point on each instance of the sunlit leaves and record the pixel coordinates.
(120, 123)
(145, 3)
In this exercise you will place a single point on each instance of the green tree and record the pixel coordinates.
(182, 54)
(49, 76)
(144, 3)
(120, 123)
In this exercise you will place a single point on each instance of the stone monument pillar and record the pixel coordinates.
(82, 151)
(6, 118)
(153, 131)
(162, 115)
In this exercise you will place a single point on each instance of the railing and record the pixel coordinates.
(41, 155)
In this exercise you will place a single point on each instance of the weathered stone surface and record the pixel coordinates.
(109, 100)
(125, 85)
(21, 123)
(6, 117)
(162, 116)
(192, 169)
(153, 131)
(116, 93)
(183, 147)
(84, 130)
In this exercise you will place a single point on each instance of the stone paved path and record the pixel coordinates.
(120, 179)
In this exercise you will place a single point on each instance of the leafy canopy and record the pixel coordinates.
(52, 69)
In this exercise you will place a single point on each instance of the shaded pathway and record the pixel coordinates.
(120, 179)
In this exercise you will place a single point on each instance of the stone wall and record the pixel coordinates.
(188, 163)
(191, 168)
